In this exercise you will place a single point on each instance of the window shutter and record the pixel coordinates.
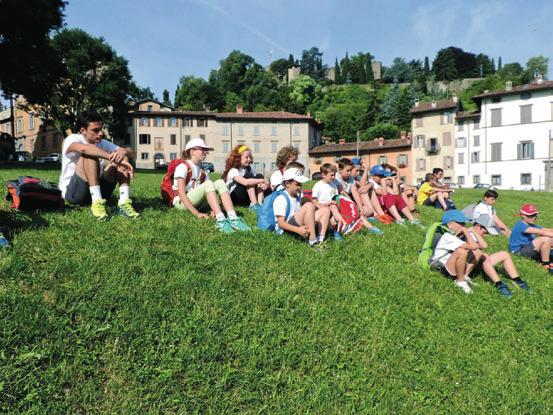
(531, 150)
(519, 151)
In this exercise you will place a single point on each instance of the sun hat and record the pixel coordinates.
(487, 222)
(528, 210)
(356, 161)
(294, 174)
(378, 170)
(454, 215)
(197, 142)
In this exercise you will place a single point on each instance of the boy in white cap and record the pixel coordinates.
(195, 192)
(291, 217)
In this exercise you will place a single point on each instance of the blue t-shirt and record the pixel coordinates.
(519, 237)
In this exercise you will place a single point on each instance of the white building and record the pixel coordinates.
(507, 142)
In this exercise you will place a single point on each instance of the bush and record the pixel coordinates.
(388, 131)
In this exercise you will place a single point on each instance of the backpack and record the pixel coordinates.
(350, 214)
(167, 192)
(433, 235)
(32, 193)
(266, 215)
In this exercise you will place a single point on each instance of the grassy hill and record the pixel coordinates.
(168, 315)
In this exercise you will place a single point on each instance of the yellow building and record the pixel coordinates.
(433, 131)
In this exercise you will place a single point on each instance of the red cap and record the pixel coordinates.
(528, 210)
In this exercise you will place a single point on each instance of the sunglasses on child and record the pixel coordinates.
(534, 216)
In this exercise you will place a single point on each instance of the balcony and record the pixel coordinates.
(432, 148)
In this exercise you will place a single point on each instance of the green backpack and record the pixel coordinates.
(433, 235)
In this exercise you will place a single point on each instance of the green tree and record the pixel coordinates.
(386, 131)
(485, 65)
(426, 67)
(30, 66)
(312, 63)
(138, 93)
(454, 63)
(280, 68)
(511, 72)
(291, 60)
(345, 68)
(304, 91)
(400, 71)
(192, 93)
(96, 78)
(166, 99)
(337, 73)
(538, 65)
(499, 64)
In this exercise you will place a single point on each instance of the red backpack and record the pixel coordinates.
(167, 192)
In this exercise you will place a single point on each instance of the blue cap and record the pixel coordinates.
(454, 216)
(356, 161)
(378, 170)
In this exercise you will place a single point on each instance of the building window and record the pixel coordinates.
(476, 141)
(419, 141)
(418, 122)
(274, 131)
(172, 156)
(225, 147)
(225, 130)
(19, 125)
(526, 178)
(421, 165)
(496, 151)
(402, 160)
(448, 162)
(476, 125)
(496, 117)
(202, 122)
(475, 157)
(240, 131)
(256, 148)
(525, 95)
(144, 122)
(202, 136)
(496, 180)
(273, 147)
(150, 108)
(446, 139)
(525, 150)
(187, 122)
(172, 122)
(159, 122)
(461, 142)
(297, 145)
(144, 156)
(525, 114)
(296, 131)
(31, 121)
(460, 125)
(382, 160)
(43, 144)
(461, 158)
(186, 139)
(460, 180)
(173, 139)
(476, 179)
(256, 130)
(144, 139)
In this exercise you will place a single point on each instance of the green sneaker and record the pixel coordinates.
(239, 225)
(98, 209)
(224, 226)
(126, 210)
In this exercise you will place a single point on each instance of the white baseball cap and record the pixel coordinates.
(294, 174)
(487, 222)
(197, 142)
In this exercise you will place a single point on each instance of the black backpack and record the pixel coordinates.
(32, 193)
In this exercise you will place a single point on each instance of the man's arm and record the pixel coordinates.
(88, 150)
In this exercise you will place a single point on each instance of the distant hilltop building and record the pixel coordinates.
(293, 72)
(377, 70)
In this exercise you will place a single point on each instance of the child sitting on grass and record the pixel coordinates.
(430, 195)
(530, 240)
(195, 192)
(285, 156)
(301, 221)
(246, 188)
(486, 207)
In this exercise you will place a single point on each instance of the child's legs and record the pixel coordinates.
(543, 246)
(240, 195)
(375, 202)
(456, 264)
(390, 204)
(306, 217)
(202, 193)
(441, 199)
(335, 212)
(366, 205)
(508, 264)
(222, 190)
(322, 219)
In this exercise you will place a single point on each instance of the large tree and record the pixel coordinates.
(454, 63)
(95, 78)
(304, 91)
(280, 68)
(400, 71)
(193, 93)
(29, 64)
(312, 64)
(538, 65)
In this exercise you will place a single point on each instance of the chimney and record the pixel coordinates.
(539, 79)
(486, 91)
(416, 103)
(239, 109)
(508, 86)
(433, 103)
(455, 98)
(402, 134)
(381, 142)
(207, 109)
(409, 135)
(309, 113)
(342, 141)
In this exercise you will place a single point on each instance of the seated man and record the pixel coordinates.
(86, 179)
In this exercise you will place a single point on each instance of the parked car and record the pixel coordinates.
(52, 158)
(22, 156)
(483, 186)
(207, 167)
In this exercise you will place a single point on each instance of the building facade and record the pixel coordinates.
(507, 143)
(158, 134)
(395, 152)
(433, 131)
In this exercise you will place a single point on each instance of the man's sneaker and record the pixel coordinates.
(126, 209)
(239, 224)
(417, 222)
(98, 209)
(4, 243)
(502, 288)
(520, 284)
(224, 226)
(254, 208)
(376, 231)
(464, 286)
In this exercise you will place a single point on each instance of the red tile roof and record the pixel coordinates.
(364, 146)
(277, 115)
(517, 89)
(465, 115)
(439, 105)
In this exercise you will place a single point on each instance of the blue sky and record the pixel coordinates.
(166, 39)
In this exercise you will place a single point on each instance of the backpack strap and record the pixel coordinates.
(189, 176)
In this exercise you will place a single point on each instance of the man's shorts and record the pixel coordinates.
(528, 251)
(78, 191)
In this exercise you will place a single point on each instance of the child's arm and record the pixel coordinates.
(479, 240)
(300, 230)
(186, 201)
(540, 232)
(500, 223)
(248, 182)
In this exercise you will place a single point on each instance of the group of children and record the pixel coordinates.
(434, 192)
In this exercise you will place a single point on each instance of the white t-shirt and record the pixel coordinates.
(447, 244)
(276, 179)
(376, 186)
(69, 160)
(347, 185)
(483, 209)
(180, 172)
(279, 208)
(232, 173)
(324, 192)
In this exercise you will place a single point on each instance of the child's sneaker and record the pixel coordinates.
(401, 222)
(385, 219)
(520, 284)
(239, 224)
(376, 231)
(372, 219)
(464, 286)
(4, 243)
(224, 226)
(502, 288)
(126, 209)
(337, 237)
(98, 209)
(254, 208)
(417, 222)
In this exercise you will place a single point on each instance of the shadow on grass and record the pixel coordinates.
(14, 222)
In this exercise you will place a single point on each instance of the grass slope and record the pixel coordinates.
(167, 315)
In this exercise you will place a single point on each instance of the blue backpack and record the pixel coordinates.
(266, 214)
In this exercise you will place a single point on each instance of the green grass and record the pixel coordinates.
(167, 315)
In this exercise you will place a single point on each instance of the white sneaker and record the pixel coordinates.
(464, 286)
(470, 281)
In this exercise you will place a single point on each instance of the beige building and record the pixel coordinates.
(433, 131)
(159, 133)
